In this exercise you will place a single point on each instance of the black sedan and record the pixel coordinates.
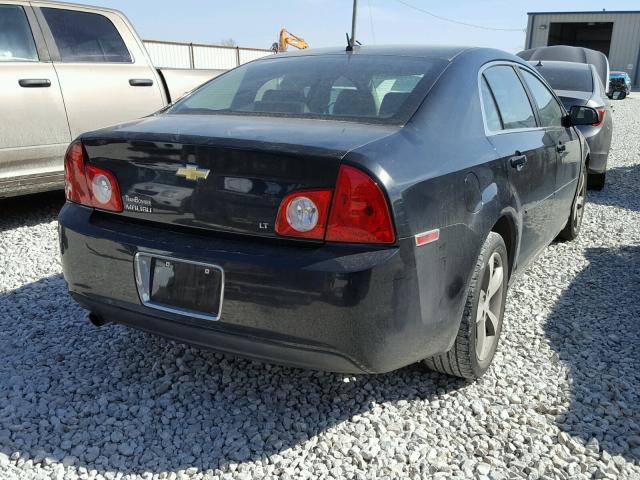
(580, 84)
(346, 211)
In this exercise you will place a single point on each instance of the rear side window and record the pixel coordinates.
(513, 103)
(16, 40)
(550, 111)
(85, 37)
(494, 123)
(360, 88)
(576, 79)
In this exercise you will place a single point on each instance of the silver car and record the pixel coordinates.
(580, 84)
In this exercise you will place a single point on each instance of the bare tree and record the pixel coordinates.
(228, 42)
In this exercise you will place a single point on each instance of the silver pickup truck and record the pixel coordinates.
(67, 69)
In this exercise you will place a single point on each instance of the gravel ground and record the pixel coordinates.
(562, 401)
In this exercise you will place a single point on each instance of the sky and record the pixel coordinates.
(323, 23)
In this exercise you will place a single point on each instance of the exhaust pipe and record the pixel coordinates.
(96, 320)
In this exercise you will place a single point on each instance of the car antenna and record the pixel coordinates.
(351, 41)
(539, 64)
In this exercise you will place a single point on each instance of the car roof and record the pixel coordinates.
(444, 52)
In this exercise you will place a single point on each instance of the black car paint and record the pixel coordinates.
(351, 308)
(273, 156)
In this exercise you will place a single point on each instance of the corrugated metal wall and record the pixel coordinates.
(246, 55)
(625, 38)
(192, 55)
(169, 55)
(214, 57)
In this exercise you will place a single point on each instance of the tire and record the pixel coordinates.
(574, 223)
(470, 357)
(595, 181)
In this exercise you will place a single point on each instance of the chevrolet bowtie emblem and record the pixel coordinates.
(192, 172)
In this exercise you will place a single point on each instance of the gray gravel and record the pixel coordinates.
(562, 401)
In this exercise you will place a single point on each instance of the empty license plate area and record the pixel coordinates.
(180, 286)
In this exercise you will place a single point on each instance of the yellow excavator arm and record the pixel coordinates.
(286, 38)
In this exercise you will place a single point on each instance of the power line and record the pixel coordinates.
(445, 19)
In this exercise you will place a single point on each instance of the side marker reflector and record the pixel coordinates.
(427, 237)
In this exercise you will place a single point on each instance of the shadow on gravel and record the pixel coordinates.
(117, 400)
(595, 329)
(621, 190)
(29, 210)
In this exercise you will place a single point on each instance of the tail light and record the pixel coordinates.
(304, 214)
(87, 184)
(357, 213)
(75, 183)
(601, 111)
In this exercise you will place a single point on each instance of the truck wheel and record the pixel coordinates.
(477, 339)
(595, 181)
(572, 228)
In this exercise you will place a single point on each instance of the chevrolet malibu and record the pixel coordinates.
(347, 211)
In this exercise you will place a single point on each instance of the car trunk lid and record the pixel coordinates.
(220, 172)
(570, 98)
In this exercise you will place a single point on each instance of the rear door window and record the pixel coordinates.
(511, 97)
(550, 111)
(16, 39)
(85, 37)
(576, 79)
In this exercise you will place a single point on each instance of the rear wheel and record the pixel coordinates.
(477, 339)
(574, 223)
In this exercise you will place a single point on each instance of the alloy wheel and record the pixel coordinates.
(489, 307)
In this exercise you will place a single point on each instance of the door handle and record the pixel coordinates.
(518, 162)
(561, 148)
(34, 82)
(140, 82)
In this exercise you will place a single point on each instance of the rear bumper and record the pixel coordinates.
(258, 347)
(349, 309)
(599, 141)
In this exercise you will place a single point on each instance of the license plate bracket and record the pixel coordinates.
(184, 287)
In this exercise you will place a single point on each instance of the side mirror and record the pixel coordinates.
(619, 95)
(579, 115)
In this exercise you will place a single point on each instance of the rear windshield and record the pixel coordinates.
(577, 80)
(361, 88)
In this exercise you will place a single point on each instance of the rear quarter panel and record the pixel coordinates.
(440, 171)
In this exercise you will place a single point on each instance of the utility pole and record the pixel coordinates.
(352, 40)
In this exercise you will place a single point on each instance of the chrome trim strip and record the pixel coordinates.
(142, 269)
(527, 68)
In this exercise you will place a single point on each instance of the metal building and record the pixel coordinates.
(616, 34)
